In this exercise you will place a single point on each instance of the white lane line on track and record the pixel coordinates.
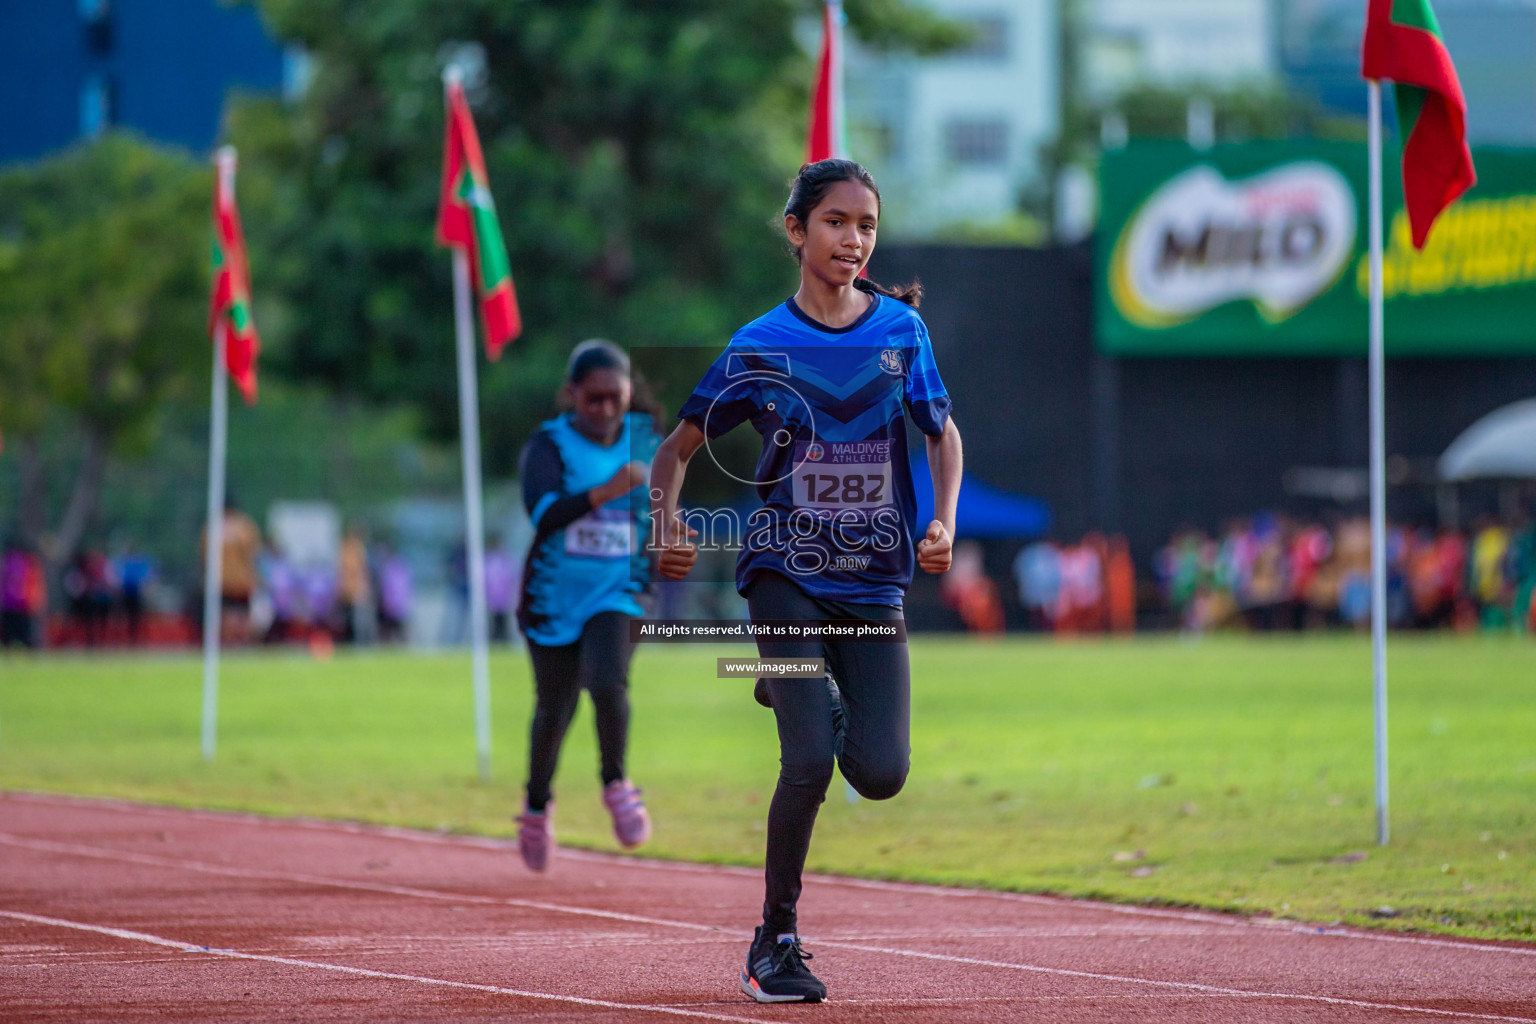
(1188, 986)
(630, 861)
(151, 860)
(47, 846)
(235, 954)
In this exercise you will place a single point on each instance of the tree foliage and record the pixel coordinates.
(895, 25)
(638, 153)
(102, 300)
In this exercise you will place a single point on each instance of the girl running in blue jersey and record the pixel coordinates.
(828, 379)
(581, 476)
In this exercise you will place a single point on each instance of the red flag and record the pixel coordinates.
(1403, 44)
(826, 133)
(466, 219)
(231, 298)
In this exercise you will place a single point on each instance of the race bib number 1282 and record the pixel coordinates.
(839, 475)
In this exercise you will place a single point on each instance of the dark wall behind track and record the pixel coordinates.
(1144, 445)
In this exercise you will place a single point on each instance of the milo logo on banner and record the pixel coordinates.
(1279, 239)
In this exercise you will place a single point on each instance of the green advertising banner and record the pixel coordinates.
(1260, 249)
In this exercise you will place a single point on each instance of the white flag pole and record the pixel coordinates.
(469, 426)
(469, 429)
(1378, 470)
(838, 130)
(839, 126)
(213, 559)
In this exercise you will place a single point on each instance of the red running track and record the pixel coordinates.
(133, 913)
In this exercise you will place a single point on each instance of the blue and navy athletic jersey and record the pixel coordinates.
(838, 515)
(583, 560)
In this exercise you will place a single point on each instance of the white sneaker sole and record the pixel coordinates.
(749, 988)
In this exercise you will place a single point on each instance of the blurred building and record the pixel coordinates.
(954, 139)
(1123, 44)
(1493, 43)
(1320, 52)
(70, 69)
(959, 142)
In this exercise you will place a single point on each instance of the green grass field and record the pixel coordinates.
(1233, 773)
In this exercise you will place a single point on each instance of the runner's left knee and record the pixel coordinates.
(879, 780)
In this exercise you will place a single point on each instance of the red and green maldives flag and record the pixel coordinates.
(466, 219)
(1403, 44)
(231, 299)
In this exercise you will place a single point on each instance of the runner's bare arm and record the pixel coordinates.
(945, 460)
(667, 471)
(627, 478)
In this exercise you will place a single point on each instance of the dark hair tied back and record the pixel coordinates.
(595, 354)
(601, 354)
(811, 186)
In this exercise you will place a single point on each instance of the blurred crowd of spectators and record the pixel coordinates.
(23, 595)
(104, 597)
(366, 594)
(1269, 572)
(1083, 587)
(1265, 572)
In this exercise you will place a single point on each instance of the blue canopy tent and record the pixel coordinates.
(984, 512)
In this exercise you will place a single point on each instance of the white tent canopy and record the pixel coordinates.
(1501, 444)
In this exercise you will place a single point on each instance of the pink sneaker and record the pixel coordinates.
(536, 838)
(631, 823)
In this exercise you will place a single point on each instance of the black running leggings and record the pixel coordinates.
(873, 749)
(598, 662)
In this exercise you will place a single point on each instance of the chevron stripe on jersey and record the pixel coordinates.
(834, 476)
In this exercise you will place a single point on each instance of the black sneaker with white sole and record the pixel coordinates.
(776, 972)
